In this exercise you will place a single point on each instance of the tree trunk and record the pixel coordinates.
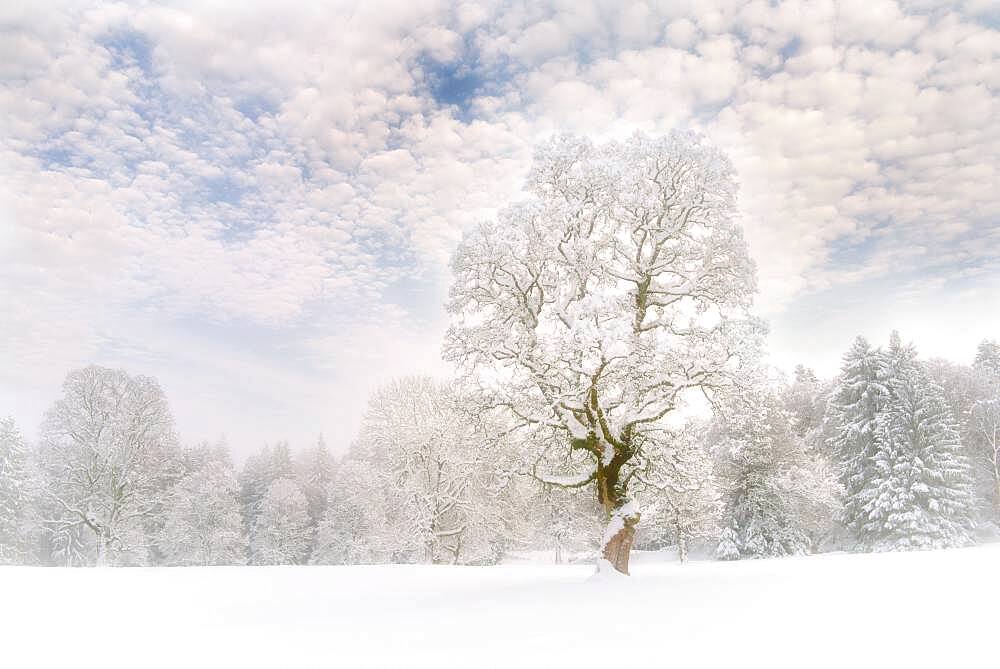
(682, 549)
(618, 546)
(623, 516)
(102, 550)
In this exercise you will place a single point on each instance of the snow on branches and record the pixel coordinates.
(907, 480)
(105, 454)
(619, 285)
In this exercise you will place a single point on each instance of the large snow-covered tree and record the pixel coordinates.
(856, 412)
(921, 496)
(281, 533)
(620, 284)
(202, 523)
(106, 452)
(15, 495)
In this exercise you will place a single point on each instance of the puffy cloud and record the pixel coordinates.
(213, 193)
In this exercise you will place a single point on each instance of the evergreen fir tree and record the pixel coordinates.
(728, 548)
(907, 481)
(922, 496)
(857, 409)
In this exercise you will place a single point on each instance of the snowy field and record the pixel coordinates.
(885, 610)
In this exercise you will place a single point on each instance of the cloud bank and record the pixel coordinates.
(256, 203)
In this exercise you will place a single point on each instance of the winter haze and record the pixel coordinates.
(257, 205)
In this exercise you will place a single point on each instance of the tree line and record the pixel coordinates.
(895, 453)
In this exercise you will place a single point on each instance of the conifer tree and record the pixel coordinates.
(907, 481)
(921, 496)
(857, 409)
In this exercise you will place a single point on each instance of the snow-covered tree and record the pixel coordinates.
(351, 530)
(856, 409)
(202, 523)
(106, 453)
(819, 496)
(259, 471)
(922, 494)
(777, 498)
(15, 495)
(281, 532)
(439, 488)
(314, 471)
(197, 457)
(679, 489)
(593, 307)
(988, 357)
(907, 480)
(973, 393)
(984, 438)
(558, 519)
(805, 402)
(963, 385)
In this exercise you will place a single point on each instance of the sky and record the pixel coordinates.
(256, 202)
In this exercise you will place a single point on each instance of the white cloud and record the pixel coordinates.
(172, 176)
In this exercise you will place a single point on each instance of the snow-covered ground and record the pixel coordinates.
(890, 610)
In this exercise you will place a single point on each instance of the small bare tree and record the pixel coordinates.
(984, 427)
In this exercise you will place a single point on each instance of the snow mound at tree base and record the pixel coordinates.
(922, 609)
(606, 571)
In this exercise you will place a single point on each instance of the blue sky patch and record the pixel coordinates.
(453, 84)
(255, 106)
(791, 48)
(130, 48)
